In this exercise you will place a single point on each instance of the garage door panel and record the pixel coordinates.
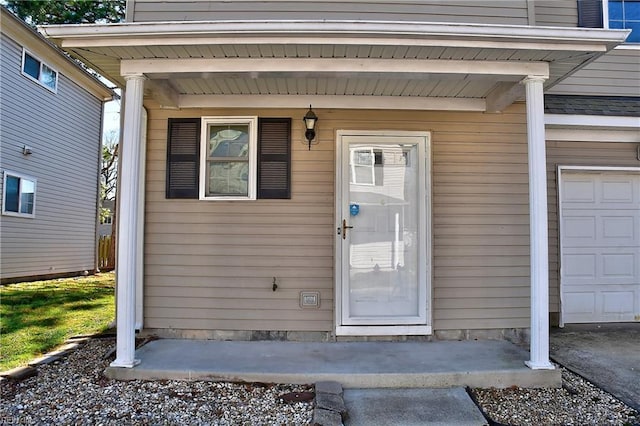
(579, 190)
(617, 302)
(619, 265)
(618, 227)
(618, 191)
(577, 266)
(580, 303)
(600, 239)
(580, 228)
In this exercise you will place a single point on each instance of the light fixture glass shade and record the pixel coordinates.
(310, 120)
(310, 123)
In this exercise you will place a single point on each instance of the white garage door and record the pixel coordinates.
(600, 246)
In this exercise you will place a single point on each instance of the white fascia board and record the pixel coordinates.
(591, 121)
(333, 65)
(331, 102)
(321, 32)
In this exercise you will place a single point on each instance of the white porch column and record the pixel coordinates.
(539, 242)
(128, 218)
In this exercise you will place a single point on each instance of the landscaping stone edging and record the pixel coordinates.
(31, 369)
(329, 409)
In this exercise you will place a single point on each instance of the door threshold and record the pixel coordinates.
(383, 330)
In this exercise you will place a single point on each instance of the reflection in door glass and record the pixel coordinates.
(383, 244)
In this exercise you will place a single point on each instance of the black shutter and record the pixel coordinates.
(183, 157)
(274, 158)
(590, 13)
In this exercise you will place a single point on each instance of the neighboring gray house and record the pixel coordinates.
(438, 198)
(51, 121)
(106, 222)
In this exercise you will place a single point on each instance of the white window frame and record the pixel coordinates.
(39, 80)
(252, 122)
(4, 194)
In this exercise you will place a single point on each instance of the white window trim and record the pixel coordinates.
(252, 183)
(37, 80)
(4, 197)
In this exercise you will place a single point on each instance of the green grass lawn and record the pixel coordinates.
(36, 317)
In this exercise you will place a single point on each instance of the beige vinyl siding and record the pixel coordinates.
(512, 12)
(63, 130)
(615, 74)
(556, 13)
(576, 154)
(210, 265)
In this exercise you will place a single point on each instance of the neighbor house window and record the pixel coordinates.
(228, 158)
(39, 72)
(19, 195)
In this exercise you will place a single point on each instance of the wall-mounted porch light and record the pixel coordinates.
(310, 119)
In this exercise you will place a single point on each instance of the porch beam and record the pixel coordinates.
(128, 223)
(503, 95)
(330, 101)
(301, 66)
(538, 231)
(163, 92)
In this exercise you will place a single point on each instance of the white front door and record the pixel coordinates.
(600, 245)
(382, 220)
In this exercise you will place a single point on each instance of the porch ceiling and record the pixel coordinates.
(189, 68)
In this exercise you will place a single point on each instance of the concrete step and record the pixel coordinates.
(409, 407)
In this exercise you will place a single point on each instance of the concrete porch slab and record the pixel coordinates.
(354, 364)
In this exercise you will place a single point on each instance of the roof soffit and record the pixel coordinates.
(162, 51)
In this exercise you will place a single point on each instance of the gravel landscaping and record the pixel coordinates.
(578, 402)
(74, 391)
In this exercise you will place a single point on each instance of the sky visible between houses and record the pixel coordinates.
(111, 122)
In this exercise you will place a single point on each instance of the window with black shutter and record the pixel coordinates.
(274, 152)
(223, 166)
(183, 157)
(590, 13)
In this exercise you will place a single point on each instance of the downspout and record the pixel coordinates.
(96, 254)
(531, 13)
(139, 322)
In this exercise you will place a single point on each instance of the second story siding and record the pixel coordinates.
(513, 12)
(556, 13)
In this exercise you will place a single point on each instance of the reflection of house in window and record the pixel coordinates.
(363, 164)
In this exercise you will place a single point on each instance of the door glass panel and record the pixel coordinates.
(384, 241)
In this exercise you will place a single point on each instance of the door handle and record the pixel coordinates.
(344, 229)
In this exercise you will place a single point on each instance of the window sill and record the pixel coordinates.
(23, 215)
